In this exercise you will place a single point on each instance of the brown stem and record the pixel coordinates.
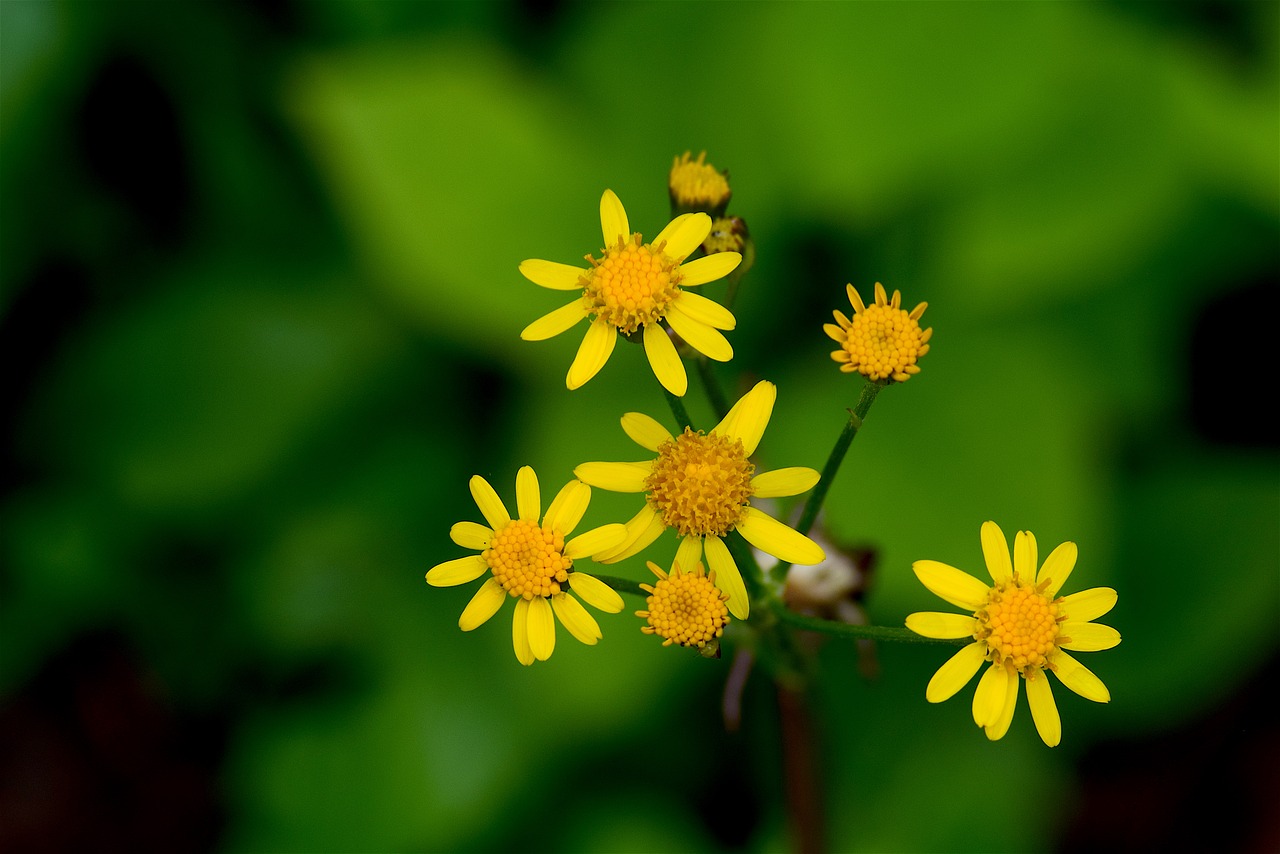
(805, 807)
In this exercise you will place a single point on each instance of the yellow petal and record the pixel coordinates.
(645, 431)
(1089, 637)
(771, 536)
(1086, 605)
(955, 673)
(567, 508)
(552, 324)
(553, 275)
(491, 506)
(988, 699)
(1044, 711)
(996, 730)
(595, 592)
(642, 529)
(935, 624)
(1079, 678)
(542, 628)
(1057, 567)
(1024, 555)
(613, 219)
(792, 480)
(835, 333)
(664, 360)
(855, 300)
(457, 571)
(528, 500)
(576, 618)
(706, 310)
(698, 335)
(995, 548)
(688, 553)
(471, 535)
(483, 605)
(520, 633)
(728, 578)
(708, 269)
(946, 582)
(593, 352)
(748, 418)
(596, 540)
(683, 234)
(615, 477)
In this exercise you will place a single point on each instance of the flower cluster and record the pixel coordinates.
(710, 489)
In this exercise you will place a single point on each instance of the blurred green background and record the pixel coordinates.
(259, 316)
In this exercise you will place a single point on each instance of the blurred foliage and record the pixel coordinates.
(260, 324)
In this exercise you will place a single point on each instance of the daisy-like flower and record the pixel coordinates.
(700, 484)
(685, 608)
(636, 287)
(696, 185)
(531, 562)
(881, 341)
(1021, 626)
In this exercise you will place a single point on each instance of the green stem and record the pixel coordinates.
(819, 493)
(844, 630)
(712, 386)
(678, 410)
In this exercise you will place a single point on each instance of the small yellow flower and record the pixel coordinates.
(696, 185)
(881, 341)
(638, 287)
(728, 234)
(684, 608)
(700, 484)
(531, 562)
(1021, 626)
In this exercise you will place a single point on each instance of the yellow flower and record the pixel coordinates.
(637, 287)
(700, 485)
(1021, 626)
(881, 340)
(685, 608)
(728, 234)
(531, 562)
(696, 185)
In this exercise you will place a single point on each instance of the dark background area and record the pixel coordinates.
(259, 316)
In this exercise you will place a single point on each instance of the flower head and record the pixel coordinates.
(701, 485)
(531, 562)
(696, 185)
(636, 288)
(881, 341)
(728, 234)
(685, 608)
(1021, 626)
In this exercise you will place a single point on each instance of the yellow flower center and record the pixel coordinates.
(632, 285)
(1020, 625)
(528, 560)
(882, 342)
(686, 609)
(700, 483)
(696, 183)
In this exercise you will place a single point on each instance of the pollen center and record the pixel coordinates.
(883, 341)
(686, 609)
(631, 285)
(528, 560)
(1020, 626)
(700, 483)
